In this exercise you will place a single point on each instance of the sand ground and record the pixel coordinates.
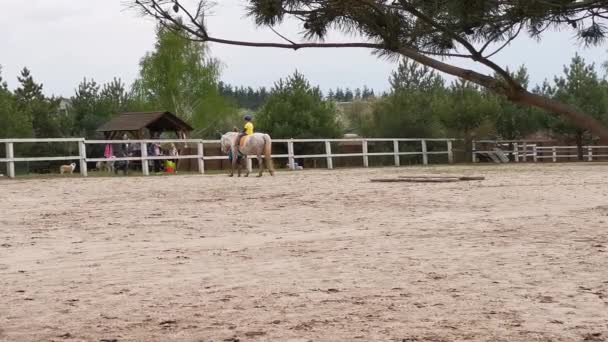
(308, 256)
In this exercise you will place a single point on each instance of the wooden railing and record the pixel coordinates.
(530, 152)
(10, 159)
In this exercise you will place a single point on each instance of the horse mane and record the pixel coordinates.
(235, 129)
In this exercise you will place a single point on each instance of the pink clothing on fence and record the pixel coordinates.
(108, 153)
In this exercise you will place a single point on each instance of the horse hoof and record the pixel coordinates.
(230, 175)
(247, 175)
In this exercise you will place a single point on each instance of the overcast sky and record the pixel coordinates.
(63, 41)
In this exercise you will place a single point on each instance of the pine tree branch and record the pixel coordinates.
(476, 55)
(389, 43)
(506, 43)
(280, 35)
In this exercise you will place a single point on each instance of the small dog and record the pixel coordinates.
(295, 165)
(67, 168)
(106, 165)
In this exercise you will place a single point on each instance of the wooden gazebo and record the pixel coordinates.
(150, 125)
(145, 125)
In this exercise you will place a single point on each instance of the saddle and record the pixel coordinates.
(243, 140)
(241, 143)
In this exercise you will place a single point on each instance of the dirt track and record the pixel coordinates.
(308, 256)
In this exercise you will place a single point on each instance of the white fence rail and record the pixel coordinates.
(82, 158)
(524, 152)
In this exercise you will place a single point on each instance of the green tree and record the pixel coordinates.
(581, 87)
(339, 95)
(27, 94)
(413, 76)
(466, 110)
(409, 110)
(348, 95)
(88, 110)
(426, 31)
(179, 76)
(514, 121)
(404, 114)
(39, 112)
(37, 116)
(357, 116)
(367, 93)
(247, 98)
(15, 123)
(295, 109)
(115, 97)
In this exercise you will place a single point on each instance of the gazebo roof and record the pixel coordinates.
(154, 121)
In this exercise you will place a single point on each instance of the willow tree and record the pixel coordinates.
(430, 32)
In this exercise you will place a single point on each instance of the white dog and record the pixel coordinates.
(106, 165)
(67, 168)
(295, 166)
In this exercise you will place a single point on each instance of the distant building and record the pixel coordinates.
(64, 106)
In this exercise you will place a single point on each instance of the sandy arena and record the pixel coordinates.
(308, 256)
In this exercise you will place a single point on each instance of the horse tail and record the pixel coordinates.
(268, 152)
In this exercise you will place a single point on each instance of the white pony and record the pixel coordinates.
(256, 144)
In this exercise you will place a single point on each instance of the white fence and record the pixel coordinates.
(525, 152)
(82, 158)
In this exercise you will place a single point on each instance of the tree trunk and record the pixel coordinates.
(578, 118)
(579, 144)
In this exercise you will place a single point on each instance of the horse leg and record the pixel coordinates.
(260, 165)
(269, 166)
(232, 165)
(244, 163)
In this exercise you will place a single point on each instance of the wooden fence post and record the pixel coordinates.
(82, 153)
(201, 156)
(396, 152)
(425, 156)
(525, 148)
(249, 164)
(330, 160)
(554, 154)
(290, 156)
(144, 159)
(450, 152)
(589, 153)
(516, 152)
(364, 152)
(473, 151)
(535, 153)
(10, 164)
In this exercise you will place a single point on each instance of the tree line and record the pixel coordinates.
(423, 104)
(254, 98)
